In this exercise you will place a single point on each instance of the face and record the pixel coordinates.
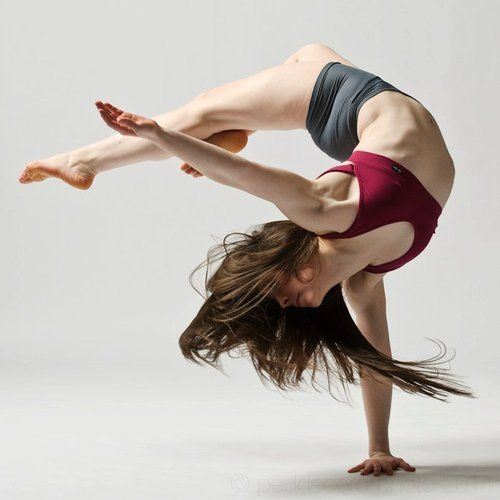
(304, 288)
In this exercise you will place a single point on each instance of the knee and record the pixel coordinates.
(313, 52)
(304, 53)
(314, 46)
(202, 105)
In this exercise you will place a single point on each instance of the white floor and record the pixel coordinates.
(95, 433)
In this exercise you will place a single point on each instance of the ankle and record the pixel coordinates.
(83, 156)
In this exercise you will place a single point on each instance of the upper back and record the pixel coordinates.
(389, 193)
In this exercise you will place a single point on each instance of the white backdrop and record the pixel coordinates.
(94, 291)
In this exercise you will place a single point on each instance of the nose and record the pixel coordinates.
(285, 301)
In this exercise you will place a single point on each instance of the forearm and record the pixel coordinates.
(119, 150)
(377, 392)
(377, 397)
(298, 198)
(213, 162)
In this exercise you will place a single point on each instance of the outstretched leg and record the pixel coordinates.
(274, 99)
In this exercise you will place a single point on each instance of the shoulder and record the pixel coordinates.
(336, 216)
(362, 285)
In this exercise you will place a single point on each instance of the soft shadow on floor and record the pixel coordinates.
(453, 480)
(309, 467)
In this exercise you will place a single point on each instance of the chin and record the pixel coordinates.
(315, 302)
(307, 302)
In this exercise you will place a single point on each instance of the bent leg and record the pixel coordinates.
(274, 99)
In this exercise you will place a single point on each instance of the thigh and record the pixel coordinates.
(274, 99)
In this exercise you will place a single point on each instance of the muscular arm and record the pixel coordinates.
(230, 140)
(299, 198)
(369, 305)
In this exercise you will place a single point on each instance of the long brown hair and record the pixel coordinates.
(241, 317)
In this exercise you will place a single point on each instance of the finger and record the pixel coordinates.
(107, 117)
(407, 466)
(367, 470)
(356, 468)
(131, 120)
(388, 469)
(195, 172)
(114, 109)
(119, 127)
(190, 170)
(127, 122)
(99, 104)
(376, 469)
(111, 112)
(102, 107)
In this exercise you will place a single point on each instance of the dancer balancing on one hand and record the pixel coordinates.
(278, 293)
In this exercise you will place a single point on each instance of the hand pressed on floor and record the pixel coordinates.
(381, 462)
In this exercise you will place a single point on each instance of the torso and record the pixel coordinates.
(398, 127)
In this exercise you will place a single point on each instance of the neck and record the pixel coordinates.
(340, 259)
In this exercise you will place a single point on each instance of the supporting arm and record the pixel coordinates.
(370, 311)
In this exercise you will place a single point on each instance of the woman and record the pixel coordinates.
(278, 293)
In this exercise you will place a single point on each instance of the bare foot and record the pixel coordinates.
(73, 172)
(230, 140)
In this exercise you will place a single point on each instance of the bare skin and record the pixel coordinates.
(80, 174)
(389, 124)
